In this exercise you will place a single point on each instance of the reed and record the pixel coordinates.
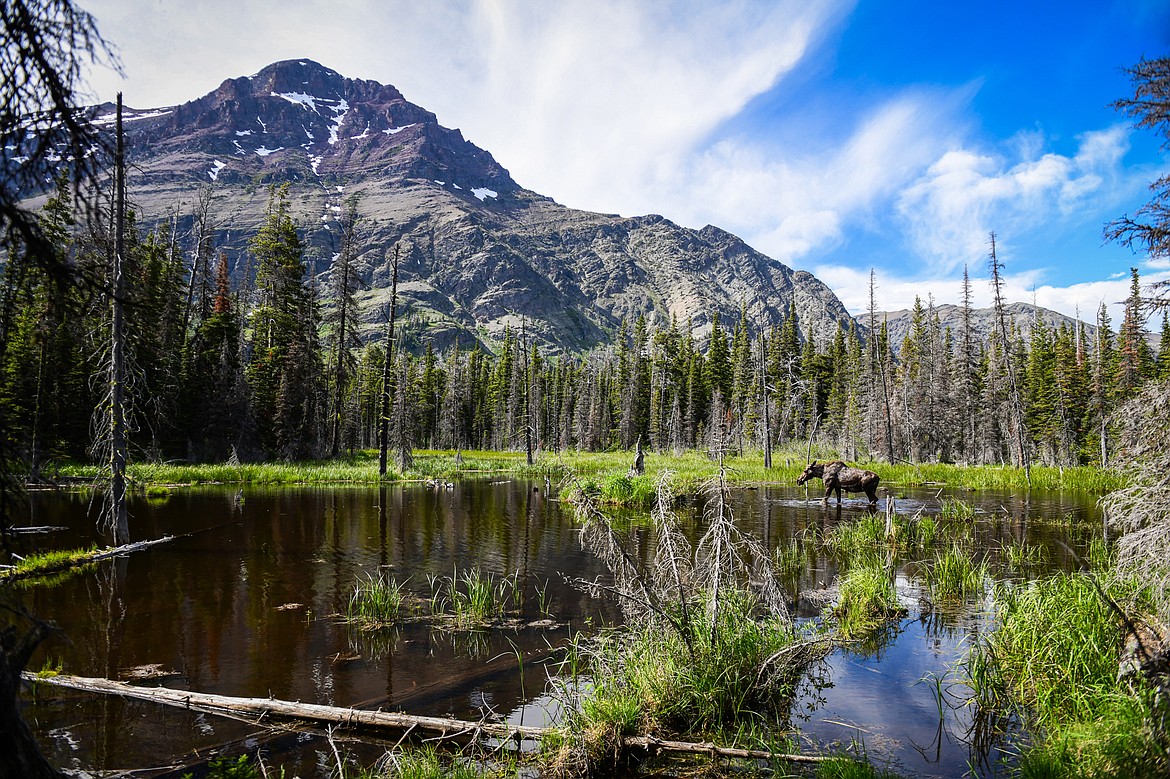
(425, 763)
(1053, 662)
(472, 598)
(954, 574)
(375, 602)
(867, 601)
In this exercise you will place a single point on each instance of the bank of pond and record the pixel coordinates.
(946, 631)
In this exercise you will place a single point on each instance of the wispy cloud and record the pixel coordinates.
(893, 292)
(965, 194)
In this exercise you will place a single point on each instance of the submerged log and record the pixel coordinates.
(270, 710)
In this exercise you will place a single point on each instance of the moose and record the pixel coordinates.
(837, 476)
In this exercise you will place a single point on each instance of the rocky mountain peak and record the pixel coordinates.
(479, 253)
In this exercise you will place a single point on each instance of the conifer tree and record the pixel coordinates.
(283, 375)
(1135, 362)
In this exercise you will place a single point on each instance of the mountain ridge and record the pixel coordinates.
(480, 253)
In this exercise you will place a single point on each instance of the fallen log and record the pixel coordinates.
(653, 744)
(13, 573)
(272, 709)
(269, 711)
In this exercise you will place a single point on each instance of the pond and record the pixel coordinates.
(246, 602)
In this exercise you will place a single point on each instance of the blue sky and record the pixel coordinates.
(836, 137)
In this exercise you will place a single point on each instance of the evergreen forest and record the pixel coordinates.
(273, 366)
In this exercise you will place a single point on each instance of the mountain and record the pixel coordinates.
(479, 251)
(983, 321)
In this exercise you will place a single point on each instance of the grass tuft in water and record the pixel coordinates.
(954, 574)
(375, 602)
(867, 601)
(472, 598)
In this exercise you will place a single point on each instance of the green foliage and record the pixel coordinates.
(226, 768)
(42, 563)
(851, 768)
(647, 678)
(954, 574)
(426, 763)
(867, 601)
(375, 602)
(1053, 661)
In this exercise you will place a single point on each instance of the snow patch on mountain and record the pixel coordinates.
(216, 167)
(483, 192)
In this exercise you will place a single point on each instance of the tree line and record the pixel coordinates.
(264, 370)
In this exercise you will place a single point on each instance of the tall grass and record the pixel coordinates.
(472, 598)
(1053, 661)
(867, 601)
(954, 574)
(375, 602)
(646, 679)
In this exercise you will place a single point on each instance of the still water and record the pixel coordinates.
(245, 602)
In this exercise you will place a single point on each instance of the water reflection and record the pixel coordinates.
(247, 602)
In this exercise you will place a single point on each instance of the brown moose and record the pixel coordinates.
(837, 476)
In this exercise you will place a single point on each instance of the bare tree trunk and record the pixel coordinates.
(118, 449)
(1022, 459)
(387, 370)
(764, 399)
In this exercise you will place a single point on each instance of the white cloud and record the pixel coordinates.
(790, 205)
(965, 194)
(893, 292)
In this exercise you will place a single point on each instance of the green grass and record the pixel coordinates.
(954, 574)
(691, 468)
(1053, 662)
(471, 598)
(426, 763)
(44, 563)
(375, 602)
(646, 679)
(851, 768)
(867, 601)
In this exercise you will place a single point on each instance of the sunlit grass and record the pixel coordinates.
(1053, 662)
(691, 468)
(376, 602)
(43, 563)
(867, 601)
(954, 574)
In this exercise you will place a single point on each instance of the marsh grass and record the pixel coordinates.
(473, 599)
(376, 602)
(867, 601)
(852, 768)
(955, 509)
(426, 763)
(691, 469)
(867, 540)
(650, 680)
(618, 489)
(40, 564)
(1053, 661)
(954, 574)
